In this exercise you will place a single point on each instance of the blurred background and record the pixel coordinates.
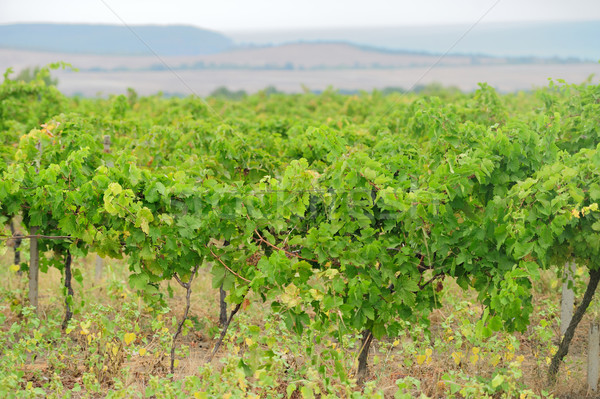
(231, 47)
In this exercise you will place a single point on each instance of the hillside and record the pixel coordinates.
(291, 68)
(294, 56)
(515, 39)
(113, 39)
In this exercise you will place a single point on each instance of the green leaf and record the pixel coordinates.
(379, 330)
(218, 273)
(77, 276)
(291, 388)
(139, 281)
(369, 173)
(497, 381)
(521, 249)
(369, 312)
(495, 323)
(245, 367)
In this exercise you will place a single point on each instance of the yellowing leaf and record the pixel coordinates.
(115, 350)
(85, 327)
(331, 273)
(143, 351)
(575, 213)
(421, 359)
(143, 218)
(520, 359)
(474, 359)
(495, 360)
(249, 341)
(457, 356)
(315, 294)
(242, 383)
(129, 338)
(15, 268)
(475, 350)
(396, 343)
(428, 352)
(291, 296)
(48, 127)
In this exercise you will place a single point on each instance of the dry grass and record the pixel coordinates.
(388, 362)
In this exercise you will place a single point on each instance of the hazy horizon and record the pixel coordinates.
(509, 39)
(562, 40)
(240, 15)
(503, 28)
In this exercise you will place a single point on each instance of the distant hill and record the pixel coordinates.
(293, 68)
(287, 57)
(498, 39)
(170, 40)
(296, 56)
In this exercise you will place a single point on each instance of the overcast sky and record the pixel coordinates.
(236, 15)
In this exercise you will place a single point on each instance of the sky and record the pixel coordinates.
(245, 15)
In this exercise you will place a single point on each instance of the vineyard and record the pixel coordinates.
(297, 246)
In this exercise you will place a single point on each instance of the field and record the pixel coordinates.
(373, 245)
(314, 67)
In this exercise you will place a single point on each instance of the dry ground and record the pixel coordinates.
(388, 360)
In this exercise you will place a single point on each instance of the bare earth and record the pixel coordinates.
(341, 67)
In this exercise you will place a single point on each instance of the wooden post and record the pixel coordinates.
(568, 298)
(34, 253)
(34, 267)
(222, 306)
(593, 357)
(98, 273)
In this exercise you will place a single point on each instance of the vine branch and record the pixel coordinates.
(224, 265)
(292, 254)
(224, 330)
(188, 287)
